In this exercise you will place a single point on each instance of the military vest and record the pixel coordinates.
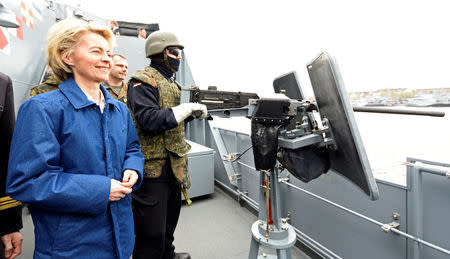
(117, 92)
(169, 145)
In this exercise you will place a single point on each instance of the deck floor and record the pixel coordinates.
(216, 226)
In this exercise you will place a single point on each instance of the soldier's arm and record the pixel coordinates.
(144, 102)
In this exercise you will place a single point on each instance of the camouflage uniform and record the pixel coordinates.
(117, 92)
(169, 145)
(49, 85)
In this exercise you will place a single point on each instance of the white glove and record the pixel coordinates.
(184, 110)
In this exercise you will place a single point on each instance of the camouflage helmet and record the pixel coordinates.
(158, 41)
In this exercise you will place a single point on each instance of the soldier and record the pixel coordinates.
(141, 33)
(114, 26)
(115, 83)
(154, 101)
(10, 209)
(48, 85)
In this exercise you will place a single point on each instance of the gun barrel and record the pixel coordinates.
(399, 111)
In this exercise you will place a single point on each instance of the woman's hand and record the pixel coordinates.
(130, 177)
(118, 190)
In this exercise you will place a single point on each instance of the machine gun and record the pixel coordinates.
(216, 100)
(307, 138)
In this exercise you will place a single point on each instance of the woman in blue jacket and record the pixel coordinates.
(75, 156)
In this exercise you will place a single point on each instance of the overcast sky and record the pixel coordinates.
(243, 45)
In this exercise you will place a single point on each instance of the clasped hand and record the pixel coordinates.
(13, 245)
(120, 189)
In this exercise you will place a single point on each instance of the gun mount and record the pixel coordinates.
(291, 131)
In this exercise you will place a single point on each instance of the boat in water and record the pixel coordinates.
(331, 216)
(429, 100)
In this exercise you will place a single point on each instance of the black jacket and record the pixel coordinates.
(10, 210)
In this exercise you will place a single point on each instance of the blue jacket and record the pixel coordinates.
(63, 155)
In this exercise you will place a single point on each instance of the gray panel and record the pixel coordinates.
(347, 235)
(428, 210)
(250, 180)
(350, 160)
(197, 149)
(289, 82)
(201, 172)
(220, 173)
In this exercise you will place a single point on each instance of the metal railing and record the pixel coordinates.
(386, 227)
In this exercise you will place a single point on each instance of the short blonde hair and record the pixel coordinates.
(118, 55)
(62, 39)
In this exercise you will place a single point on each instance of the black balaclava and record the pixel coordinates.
(166, 65)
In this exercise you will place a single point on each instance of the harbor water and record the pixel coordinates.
(389, 139)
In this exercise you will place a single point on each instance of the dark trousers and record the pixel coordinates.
(156, 208)
(2, 250)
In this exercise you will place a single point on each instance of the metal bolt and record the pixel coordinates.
(284, 228)
(284, 221)
(264, 255)
(396, 216)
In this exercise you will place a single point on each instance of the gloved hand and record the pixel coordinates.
(184, 110)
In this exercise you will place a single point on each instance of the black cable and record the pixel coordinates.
(242, 153)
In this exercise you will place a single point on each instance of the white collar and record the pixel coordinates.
(102, 99)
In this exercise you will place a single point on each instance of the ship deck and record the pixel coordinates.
(216, 226)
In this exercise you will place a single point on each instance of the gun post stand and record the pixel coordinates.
(278, 234)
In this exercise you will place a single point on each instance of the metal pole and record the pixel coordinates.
(399, 111)
(418, 211)
(431, 169)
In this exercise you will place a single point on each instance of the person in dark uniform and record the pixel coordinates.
(154, 102)
(10, 209)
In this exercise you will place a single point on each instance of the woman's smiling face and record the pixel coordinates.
(90, 59)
